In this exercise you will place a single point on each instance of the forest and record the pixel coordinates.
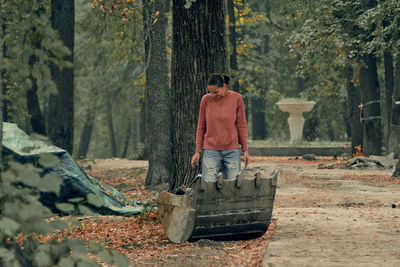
(124, 78)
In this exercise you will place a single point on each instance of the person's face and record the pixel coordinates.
(216, 91)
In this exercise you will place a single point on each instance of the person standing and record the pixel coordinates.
(221, 131)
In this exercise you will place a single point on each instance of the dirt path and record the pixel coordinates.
(334, 217)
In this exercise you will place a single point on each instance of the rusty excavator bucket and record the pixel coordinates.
(235, 209)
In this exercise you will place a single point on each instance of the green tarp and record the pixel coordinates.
(76, 183)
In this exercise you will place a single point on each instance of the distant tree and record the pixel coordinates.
(258, 102)
(35, 114)
(157, 92)
(394, 137)
(1, 95)
(370, 96)
(61, 105)
(198, 49)
(353, 112)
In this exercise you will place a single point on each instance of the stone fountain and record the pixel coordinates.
(296, 119)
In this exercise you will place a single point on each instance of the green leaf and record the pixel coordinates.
(51, 182)
(9, 226)
(66, 262)
(120, 259)
(75, 200)
(34, 209)
(6, 256)
(77, 245)
(106, 256)
(94, 200)
(48, 160)
(65, 207)
(75, 223)
(95, 247)
(59, 225)
(42, 259)
(85, 210)
(30, 244)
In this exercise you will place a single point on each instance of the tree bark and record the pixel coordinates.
(198, 49)
(354, 100)
(35, 114)
(2, 73)
(157, 93)
(232, 41)
(394, 138)
(127, 138)
(1, 97)
(110, 125)
(258, 105)
(371, 114)
(389, 86)
(259, 126)
(86, 135)
(396, 173)
(61, 105)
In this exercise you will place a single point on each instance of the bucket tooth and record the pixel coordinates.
(220, 180)
(239, 180)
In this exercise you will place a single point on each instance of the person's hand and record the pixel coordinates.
(246, 158)
(195, 159)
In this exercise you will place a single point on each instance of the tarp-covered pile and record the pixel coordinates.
(76, 183)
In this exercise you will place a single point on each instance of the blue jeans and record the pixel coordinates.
(212, 160)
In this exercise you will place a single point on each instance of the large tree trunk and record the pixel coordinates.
(354, 100)
(61, 105)
(394, 138)
(86, 135)
(198, 49)
(233, 46)
(371, 113)
(157, 96)
(389, 85)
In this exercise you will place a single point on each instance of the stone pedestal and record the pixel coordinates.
(296, 119)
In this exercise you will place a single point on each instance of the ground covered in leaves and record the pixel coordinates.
(142, 238)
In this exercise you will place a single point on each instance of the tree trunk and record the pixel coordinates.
(127, 138)
(198, 49)
(259, 126)
(61, 105)
(86, 135)
(1, 97)
(35, 114)
(371, 114)
(233, 46)
(157, 93)
(110, 125)
(2, 73)
(354, 100)
(389, 85)
(394, 138)
(396, 173)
